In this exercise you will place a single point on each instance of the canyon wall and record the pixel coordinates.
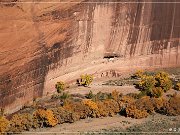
(42, 43)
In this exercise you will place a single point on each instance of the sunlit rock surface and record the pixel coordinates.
(42, 43)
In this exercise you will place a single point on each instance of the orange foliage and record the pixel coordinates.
(64, 115)
(108, 107)
(133, 112)
(93, 107)
(115, 95)
(172, 107)
(20, 122)
(45, 118)
(4, 124)
(79, 108)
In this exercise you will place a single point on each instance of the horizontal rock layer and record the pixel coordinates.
(42, 43)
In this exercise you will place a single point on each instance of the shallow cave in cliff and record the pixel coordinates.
(110, 55)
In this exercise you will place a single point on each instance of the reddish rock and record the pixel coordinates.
(42, 43)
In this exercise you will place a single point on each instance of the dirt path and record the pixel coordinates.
(98, 124)
(110, 124)
(95, 89)
(98, 86)
(90, 125)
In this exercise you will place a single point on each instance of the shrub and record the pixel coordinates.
(45, 118)
(158, 104)
(144, 103)
(150, 104)
(143, 107)
(102, 109)
(142, 94)
(90, 95)
(56, 96)
(123, 102)
(156, 92)
(149, 73)
(177, 86)
(172, 107)
(64, 116)
(89, 108)
(81, 110)
(115, 95)
(65, 96)
(163, 81)
(78, 96)
(138, 74)
(4, 124)
(147, 105)
(133, 112)
(62, 96)
(86, 80)
(154, 85)
(101, 96)
(109, 106)
(93, 107)
(60, 86)
(133, 95)
(127, 99)
(21, 122)
(147, 83)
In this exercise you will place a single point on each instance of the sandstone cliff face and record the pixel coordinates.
(42, 43)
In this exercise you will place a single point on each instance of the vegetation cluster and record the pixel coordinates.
(71, 109)
(153, 85)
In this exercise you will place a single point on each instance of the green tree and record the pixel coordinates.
(86, 80)
(60, 86)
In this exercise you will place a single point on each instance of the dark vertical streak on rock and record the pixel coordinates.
(172, 28)
(38, 92)
(90, 22)
(115, 21)
(135, 30)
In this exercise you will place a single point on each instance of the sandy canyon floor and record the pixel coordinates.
(153, 124)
